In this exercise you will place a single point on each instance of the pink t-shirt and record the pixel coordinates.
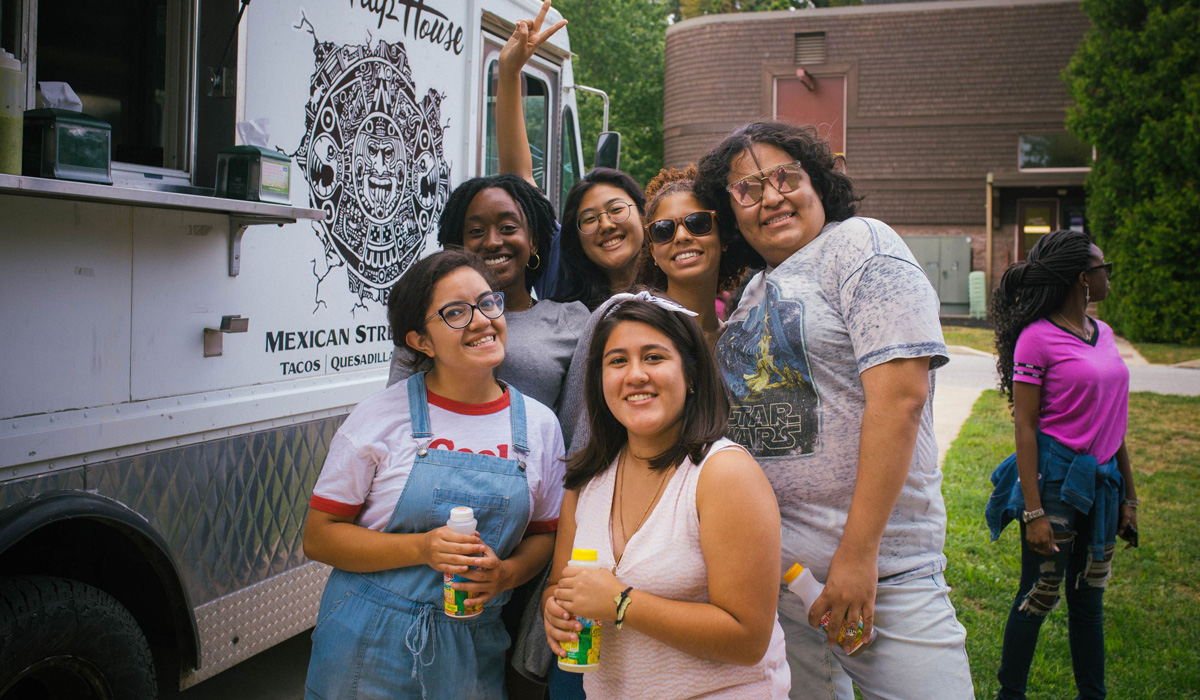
(1085, 386)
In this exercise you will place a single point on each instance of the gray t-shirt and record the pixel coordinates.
(851, 299)
(537, 356)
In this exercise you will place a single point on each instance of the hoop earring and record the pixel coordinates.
(537, 262)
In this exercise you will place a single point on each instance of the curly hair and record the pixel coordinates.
(538, 210)
(671, 181)
(1033, 289)
(835, 189)
(585, 280)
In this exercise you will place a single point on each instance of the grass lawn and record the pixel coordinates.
(1167, 353)
(978, 338)
(1152, 605)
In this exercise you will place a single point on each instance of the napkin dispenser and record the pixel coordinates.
(67, 145)
(254, 173)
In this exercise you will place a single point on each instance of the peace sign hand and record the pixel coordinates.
(525, 40)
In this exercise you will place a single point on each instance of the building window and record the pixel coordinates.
(810, 48)
(1060, 151)
(139, 83)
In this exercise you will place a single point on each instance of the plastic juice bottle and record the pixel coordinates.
(800, 581)
(12, 113)
(462, 520)
(583, 655)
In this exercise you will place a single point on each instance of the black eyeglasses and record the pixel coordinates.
(617, 213)
(1107, 267)
(749, 190)
(459, 314)
(700, 223)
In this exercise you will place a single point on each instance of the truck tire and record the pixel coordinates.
(62, 639)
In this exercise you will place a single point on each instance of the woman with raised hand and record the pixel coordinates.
(829, 358)
(685, 248)
(1070, 480)
(684, 523)
(451, 435)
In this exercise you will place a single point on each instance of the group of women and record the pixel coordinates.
(700, 458)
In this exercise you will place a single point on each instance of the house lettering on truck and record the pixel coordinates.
(174, 365)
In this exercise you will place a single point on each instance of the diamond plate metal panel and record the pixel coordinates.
(14, 491)
(231, 510)
(240, 625)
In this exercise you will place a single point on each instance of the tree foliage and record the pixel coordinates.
(619, 48)
(1136, 84)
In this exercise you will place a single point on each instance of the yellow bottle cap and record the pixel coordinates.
(792, 573)
(583, 554)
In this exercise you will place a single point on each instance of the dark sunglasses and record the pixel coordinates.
(459, 314)
(699, 223)
(749, 190)
(1107, 267)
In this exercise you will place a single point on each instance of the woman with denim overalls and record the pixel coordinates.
(449, 436)
(1070, 481)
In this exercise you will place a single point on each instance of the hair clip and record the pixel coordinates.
(649, 298)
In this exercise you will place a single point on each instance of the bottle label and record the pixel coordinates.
(454, 598)
(585, 652)
(853, 632)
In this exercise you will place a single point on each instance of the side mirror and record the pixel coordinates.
(608, 150)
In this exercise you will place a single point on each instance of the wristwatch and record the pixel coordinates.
(1029, 515)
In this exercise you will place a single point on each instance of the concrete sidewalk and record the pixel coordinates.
(959, 384)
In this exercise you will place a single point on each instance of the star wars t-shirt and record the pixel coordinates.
(851, 299)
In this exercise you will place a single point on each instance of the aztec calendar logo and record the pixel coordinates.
(372, 155)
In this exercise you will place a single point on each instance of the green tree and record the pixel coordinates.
(619, 44)
(1136, 84)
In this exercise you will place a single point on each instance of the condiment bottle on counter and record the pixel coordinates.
(800, 581)
(462, 520)
(583, 655)
(12, 113)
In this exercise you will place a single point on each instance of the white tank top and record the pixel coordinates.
(664, 558)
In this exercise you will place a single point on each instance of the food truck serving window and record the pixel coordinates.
(130, 63)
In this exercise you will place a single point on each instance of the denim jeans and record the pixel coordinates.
(1040, 591)
(920, 650)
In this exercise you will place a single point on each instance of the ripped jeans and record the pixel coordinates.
(1045, 580)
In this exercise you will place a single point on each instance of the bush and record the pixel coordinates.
(1136, 83)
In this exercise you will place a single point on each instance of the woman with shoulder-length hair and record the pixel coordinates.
(683, 521)
(1070, 480)
(829, 358)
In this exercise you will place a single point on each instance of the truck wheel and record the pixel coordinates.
(64, 640)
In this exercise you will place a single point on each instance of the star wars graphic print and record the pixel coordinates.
(765, 364)
(372, 155)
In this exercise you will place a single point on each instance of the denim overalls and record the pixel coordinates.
(384, 634)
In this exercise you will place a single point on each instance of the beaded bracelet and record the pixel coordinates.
(1131, 502)
(622, 602)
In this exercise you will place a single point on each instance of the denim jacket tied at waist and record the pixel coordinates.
(1087, 486)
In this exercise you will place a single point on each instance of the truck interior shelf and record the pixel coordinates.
(242, 214)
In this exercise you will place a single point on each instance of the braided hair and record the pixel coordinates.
(1033, 289)
(538, 210)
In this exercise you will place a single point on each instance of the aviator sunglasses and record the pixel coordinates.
(699, 223)
(749, 190)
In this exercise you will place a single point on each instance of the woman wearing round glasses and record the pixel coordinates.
(451, 435)
(685, 251)
(1070, 480)
(829, 358)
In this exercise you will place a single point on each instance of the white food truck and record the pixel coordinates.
(174, 364)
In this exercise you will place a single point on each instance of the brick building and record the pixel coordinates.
(950, 114)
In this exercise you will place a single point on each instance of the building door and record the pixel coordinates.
(1035, 218)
